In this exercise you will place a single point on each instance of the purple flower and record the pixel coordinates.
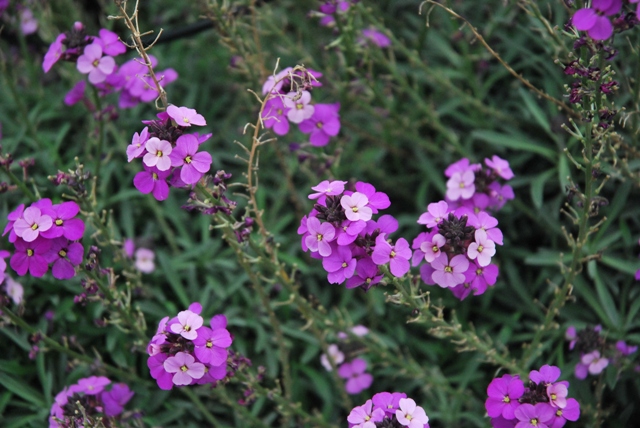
(64, 223)
(594, 20)
(29, 256)
(461, 185)
(410, 415)
(546, 376)
(571, 335)
(185, 116)
(367, 274)
(389, 402)
(537, 416)
(480, 277)
(625, 349)
(32, 223)
(152, 180)
(571, 412)
(436, 212)
(110, 42)
(188, 323)
(355, 207)
(12, 217)
(376, 37)
(484, 221)
(185, 368)
(324, 124)
(298, 109)
(357, 379)
(158, 372)
(327, 188)
(64, 255)
(334, 354)
(28, 24)
(365, 416)
(431, 248)
(76, 94)
(14, 289)
(594, 362)
(145, 260)
(115, 399)
(340, 264)
(92, 62)
(557, 394)
(503, 396)
(194, 164)
(54, 53)
(320, 235)
(210, 345)
(93, 385)
(275, 116)
(449, 273)
(158, 153)
(377, 200)
(482, 249)
(397, 255)
(273, 84)
(137, 146)
(500, 167)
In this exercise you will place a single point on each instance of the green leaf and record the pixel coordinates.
(174, 280)
(537, 187)
(604, 296)
(514, 142)
(535, 110)
(20, 388)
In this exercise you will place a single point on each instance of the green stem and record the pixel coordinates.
(23, 187)
(100, 142)
(200, 405)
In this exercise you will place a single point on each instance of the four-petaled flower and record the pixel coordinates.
(355, 207)
(92, 62)
(187, 325)
(185, 368)
(32, 223)
(158, 153)
(410, 415)
(194, 164)
(185, 116)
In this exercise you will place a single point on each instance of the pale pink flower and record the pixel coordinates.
(299, 109)
(410, 415)
(145, 260)
(188, 323)
(185, 116)
(92, 62)
(461, 185)
(355, 207)
(431, 249)
(185, 368)
(449, 273)
(137, 146)
(482, 249)
(31, 224)
(158, 153)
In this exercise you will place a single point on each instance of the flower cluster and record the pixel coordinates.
(169, 155)
(94, 56)
(388, 410)
(341, 231)
(46, 234)
(543, 403)
(353, 370)
(595, 19)
(595, 351)
(91, 399)
(185, 352)
(477, 186)
(290, 102)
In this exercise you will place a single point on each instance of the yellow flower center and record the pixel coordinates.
(478, 271)
(159, 153)
(480, 248)
(448, 269)
(559, 412)
(62, 253)
(534, 422)
(354, 209)
(184, 368)
(209, 344)
(435, 249)
(154, 175)
(462, 185)
(506, 400)
(185, 120)
(554, 396)
(187, 159)
(319, 125)
(368, 280)
(319, 236)
(29, 252)
(96, 63)
(59, 222)
(34, 226)
(187, 328)
(299, 106)
(279, 112)
(344, 264)
(392, 254)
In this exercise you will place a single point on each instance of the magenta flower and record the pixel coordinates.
(115, 399)
(92, 62)
(93, 385)
(484, 221)
(431, 249)
(32, 223)
(397, 255)
(299, 109)
(64, 255)
(482, 249)
(594, 362)
(365, 416)
(449, 273)
(571, 336)
(340, 264)
(436, 212)
(594, 20)
(621, 346)
(377, 200)
(571, 412)
(546, 376)
(273, 84)
(152, 180)
(327, 188)
(64, 223)
(185, 116)
(12, 217)
(557, 394)
(357, 379)
(76, 94)
(29, 256)
(461, 185)
(274, 116)
(355, 207)
(159, 152)
(410, 415)
(137, 146)
(334, 354)
(500, 167)
(479, 278)
(188, 323)
(54, 53)
(194, 164)
(210, 345)
(158, 372)
(185, 368)
(110, 42)
(389, 402)
(503, 396)
(320, 235)
(376, 37)
(367, 274)
(537, 416)
(324, 124)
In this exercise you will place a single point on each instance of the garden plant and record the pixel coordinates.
(320, 213)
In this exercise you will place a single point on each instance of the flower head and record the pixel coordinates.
(410, 415)
(92, 62)
(187, 325)
(185, 116)
(194, 164)
(185, 368)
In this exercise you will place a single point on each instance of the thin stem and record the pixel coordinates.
(23, 187)
(201, 406)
